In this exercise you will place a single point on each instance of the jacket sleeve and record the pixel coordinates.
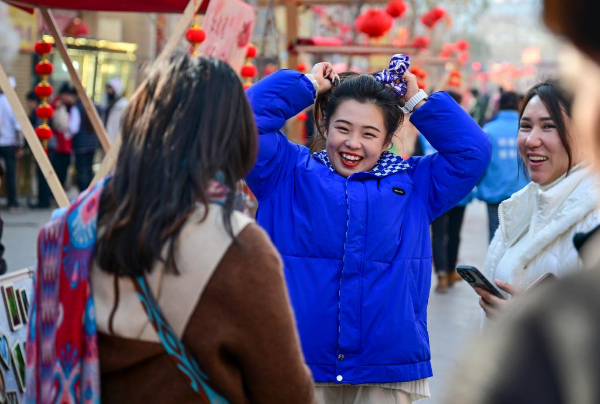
(243, 331)
(275, 99)
(464, 150)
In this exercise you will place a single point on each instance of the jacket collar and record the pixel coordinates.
(536, 208)
(388, 163)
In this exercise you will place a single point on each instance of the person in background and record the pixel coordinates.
(503, 177)
(85, 141)
(114, 106)
(11, 146)
(60, 145)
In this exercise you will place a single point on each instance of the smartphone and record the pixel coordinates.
(476, 279)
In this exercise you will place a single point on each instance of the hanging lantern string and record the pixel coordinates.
(44, 90)
(249, 71)
(195, 35)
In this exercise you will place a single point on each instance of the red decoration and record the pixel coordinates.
(43, 132)
(301, 67)
(374, 23)
(249, 71)
(195, 35)
(463, 57)
(433, 16)
(421, 85)
(77, 28)
(44, 68)
(396, 8)
(251, 51)
(420, 73)
(42, 47)
(247, 86)
(43, 90)
(302, 116)
(421, 42)
(44, 111)
(462, 45)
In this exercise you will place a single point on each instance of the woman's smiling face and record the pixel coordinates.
(356, 137)
(539, 144)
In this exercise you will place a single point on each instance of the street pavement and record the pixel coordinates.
(454, 317)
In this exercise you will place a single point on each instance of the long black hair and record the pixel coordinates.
(558, 102)
(189, 122)
(362, 88)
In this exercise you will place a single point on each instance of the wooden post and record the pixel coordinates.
(182, 25)
(89, 107)
(291, 8)
(32, 140)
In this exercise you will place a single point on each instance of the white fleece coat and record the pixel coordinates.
(546, 218)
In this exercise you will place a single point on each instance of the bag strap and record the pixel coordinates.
(174, 347)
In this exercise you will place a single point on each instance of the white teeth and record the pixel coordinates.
(537, 158)
(351, 158)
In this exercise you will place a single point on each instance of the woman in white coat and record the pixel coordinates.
(538, 223)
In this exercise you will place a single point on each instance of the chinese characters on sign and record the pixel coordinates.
(228, 25)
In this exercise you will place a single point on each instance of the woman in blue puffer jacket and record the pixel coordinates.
(351, 222)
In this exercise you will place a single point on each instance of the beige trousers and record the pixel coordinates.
(348, 394)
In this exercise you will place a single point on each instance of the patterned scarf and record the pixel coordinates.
(388, 163)
(62, 342)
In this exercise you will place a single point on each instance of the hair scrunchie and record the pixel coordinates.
(392, 76)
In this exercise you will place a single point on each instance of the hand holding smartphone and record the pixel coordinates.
(477, 280)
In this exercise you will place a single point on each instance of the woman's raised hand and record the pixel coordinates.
(411, 87)
(324, 75)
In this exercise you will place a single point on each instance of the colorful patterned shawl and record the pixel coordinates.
(62, 342)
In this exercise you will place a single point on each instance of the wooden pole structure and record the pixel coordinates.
(182, 25)
(291, 8)
(32, 140)
(89, 107)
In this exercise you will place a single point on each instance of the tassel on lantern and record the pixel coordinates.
(44, 90)
(195, 36)
(249, 70)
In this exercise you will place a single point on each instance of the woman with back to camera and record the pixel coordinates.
(537, 224)
(182, 298)
(351, 221)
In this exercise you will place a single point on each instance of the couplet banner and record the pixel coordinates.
(228, 25)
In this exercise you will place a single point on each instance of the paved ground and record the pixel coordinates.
(453, 317)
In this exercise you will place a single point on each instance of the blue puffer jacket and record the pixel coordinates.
(357, 251)
(503, 176)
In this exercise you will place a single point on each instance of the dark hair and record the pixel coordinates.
(66, 88)
(577, 21)
(364, 89)
(455, 96)
(32, 96)
(189, 122)
(509, 100)
(557, 102)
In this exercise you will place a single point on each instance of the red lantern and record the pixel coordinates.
(396, 8)
(438, 13)
(251, 51)
(43, 69)
(43, 90)
(42, 47)
(43, 132)
(301, 67)
(249, 71)
(462, 45)
(421, 85)
(448, 48)
(374, 23)
(456, 74)
(195, 35)
(44, 111)
(302, 116)
(421, 42)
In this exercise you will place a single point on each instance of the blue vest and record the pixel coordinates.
(356, 250)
